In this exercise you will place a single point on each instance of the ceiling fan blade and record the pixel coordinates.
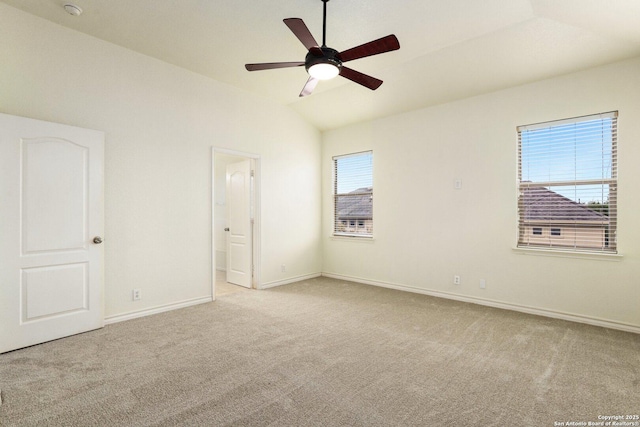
(385, 44)
(309, 86)
(360, 78)
(272, 65)
(299, 28)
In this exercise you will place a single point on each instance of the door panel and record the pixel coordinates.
(51, 186)
(239, 238)
(55, 290)
(53, 193)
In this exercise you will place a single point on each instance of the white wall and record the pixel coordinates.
(425, 231)
(161, 123)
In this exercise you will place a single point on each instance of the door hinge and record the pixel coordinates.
(253, 173)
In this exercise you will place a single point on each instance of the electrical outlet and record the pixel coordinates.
(283, 268)
(135, 295)
(483, 284)
(456, 280)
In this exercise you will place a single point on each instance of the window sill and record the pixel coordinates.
(559, 253)
(347, 238)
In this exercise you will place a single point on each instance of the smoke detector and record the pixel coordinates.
(72, 9)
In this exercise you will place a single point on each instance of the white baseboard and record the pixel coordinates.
(496, 304)
(155, 310)
(289, 280)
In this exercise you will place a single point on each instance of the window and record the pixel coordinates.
(353, 195)
(567, 177)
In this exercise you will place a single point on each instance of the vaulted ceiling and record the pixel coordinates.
(449, 49)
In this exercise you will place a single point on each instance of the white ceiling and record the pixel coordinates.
(450, 49)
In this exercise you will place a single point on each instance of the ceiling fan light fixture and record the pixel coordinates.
(323, 71)
(323, 62)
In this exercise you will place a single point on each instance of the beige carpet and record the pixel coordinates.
(326, 353)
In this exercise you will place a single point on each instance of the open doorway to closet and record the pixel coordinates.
(235, 221)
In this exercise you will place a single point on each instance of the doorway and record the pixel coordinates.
(236, 222)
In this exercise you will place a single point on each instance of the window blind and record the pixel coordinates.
(353, 195)
(567, 173)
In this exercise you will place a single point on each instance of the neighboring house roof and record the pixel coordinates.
(357, 204)
(542, 204)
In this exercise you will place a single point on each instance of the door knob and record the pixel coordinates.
(97, 240)
(226, 229)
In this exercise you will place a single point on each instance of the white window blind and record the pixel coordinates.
(567, 172)
(353, 195)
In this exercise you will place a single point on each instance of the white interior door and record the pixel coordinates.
(239, 223)
(51, 210)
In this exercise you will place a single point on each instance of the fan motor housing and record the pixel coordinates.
(329, 56)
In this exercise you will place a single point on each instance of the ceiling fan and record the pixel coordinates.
(324, 63)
